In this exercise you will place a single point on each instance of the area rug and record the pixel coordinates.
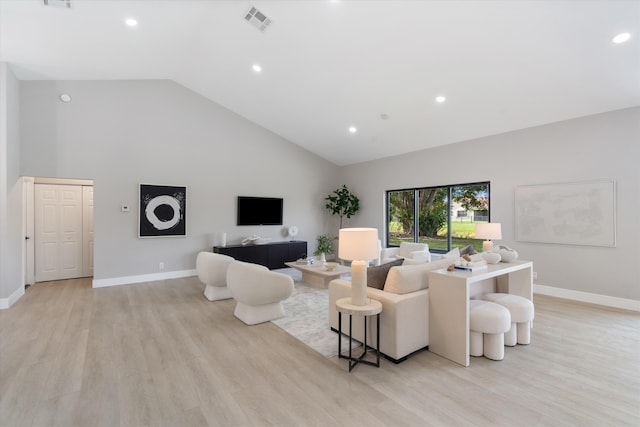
(307, 318)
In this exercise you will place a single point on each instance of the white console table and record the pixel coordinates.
(449, 303)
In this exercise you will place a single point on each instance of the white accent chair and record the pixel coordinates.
(212, 271)
(258, 291)
(414, 252)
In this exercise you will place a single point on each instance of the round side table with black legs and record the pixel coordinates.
(372, 308)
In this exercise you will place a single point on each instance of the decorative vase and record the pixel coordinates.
(323, 259)
(223, 239)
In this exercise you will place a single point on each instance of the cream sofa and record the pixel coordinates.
(404, 321)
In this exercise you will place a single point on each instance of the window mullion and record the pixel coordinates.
(416, 213)
(449, 226)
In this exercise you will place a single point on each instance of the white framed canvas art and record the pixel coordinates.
(575, 213)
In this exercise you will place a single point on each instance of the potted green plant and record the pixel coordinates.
(324, 246)
(342, 202)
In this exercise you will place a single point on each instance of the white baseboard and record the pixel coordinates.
(127, 280)
(8, 302)
(624, 303)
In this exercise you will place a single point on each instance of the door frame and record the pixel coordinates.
(28, 225)
(29, 218)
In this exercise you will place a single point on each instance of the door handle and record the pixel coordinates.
(27, 238)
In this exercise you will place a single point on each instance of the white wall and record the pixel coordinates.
(599, 147)
(123, 133)
(11, 239)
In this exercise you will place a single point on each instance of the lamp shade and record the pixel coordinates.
(358, 243)
(489, 231)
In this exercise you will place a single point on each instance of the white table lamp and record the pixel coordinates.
(358, 245)
(489, 231)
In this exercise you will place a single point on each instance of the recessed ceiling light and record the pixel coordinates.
(131, 22)
(353, 129)
(621, 38)
(257, 68)
(440, 99)
(65, 97)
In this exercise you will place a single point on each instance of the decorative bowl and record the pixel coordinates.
(330, 266)
(507, 254)
(492, 257)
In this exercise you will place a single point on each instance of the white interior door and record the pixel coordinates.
(87, 231)
(58, 231)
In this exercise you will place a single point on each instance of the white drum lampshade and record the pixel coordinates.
(358, 245)
(489, 231)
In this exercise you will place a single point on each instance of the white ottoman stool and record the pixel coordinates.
(521, 310)
(487, 324)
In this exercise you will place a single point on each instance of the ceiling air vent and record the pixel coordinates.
(57, 3)
(255, 18)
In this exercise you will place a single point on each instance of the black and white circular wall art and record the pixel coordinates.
(162, 211)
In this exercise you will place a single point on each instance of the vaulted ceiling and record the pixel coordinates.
(326, 66)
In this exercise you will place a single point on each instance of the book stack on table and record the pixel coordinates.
(471, 266)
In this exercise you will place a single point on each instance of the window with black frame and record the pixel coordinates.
(444, 217)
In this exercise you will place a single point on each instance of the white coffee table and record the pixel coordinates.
(317, 274)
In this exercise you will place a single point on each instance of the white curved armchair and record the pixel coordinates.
(212, 271)
(258, 291)
(416, 252)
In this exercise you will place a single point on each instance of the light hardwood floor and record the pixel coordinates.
(160, 354)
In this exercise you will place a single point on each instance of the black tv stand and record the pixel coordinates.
(271, 255)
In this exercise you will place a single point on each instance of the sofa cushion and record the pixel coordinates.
(410, 278)
(411, 261)
(376, 276)
(406, 249)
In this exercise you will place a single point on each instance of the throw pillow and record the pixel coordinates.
(376, 276)
(404, 279)
(410, 278)
(468, 250)
(452, 254)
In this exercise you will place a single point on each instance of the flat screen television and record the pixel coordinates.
(259, 210)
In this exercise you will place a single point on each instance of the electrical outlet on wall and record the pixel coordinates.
(161, 266)
(535, 275)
